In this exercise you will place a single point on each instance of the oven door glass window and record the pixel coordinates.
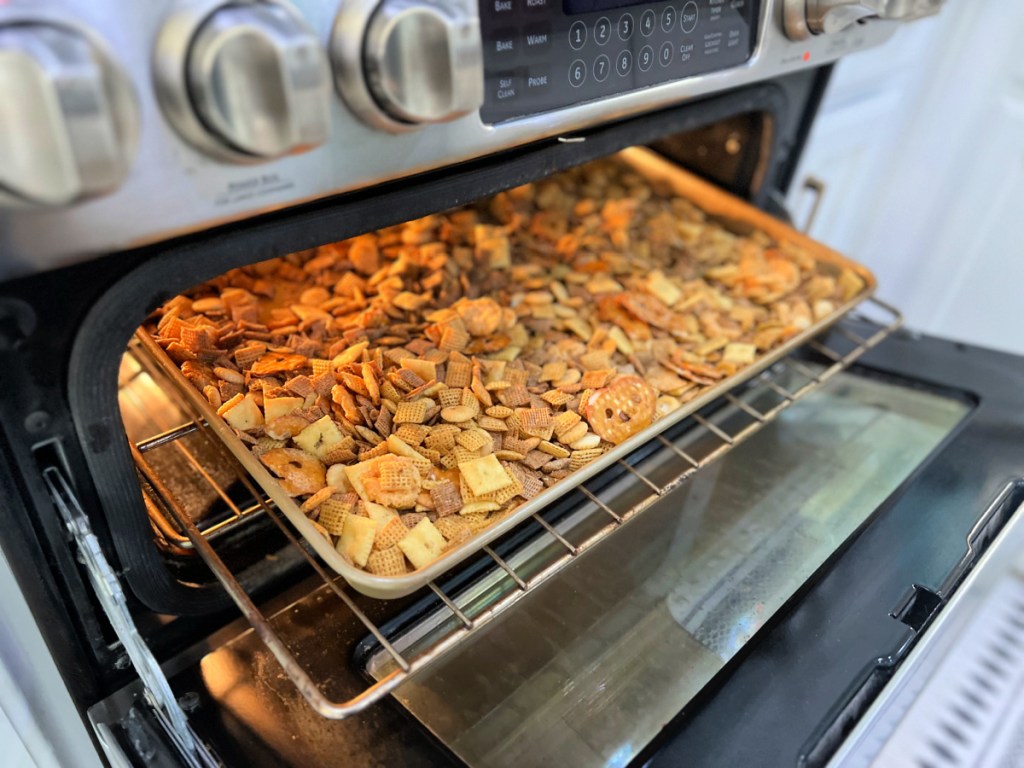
(593, 663)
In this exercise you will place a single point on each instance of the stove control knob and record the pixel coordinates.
(246, 81)
(803, 18)
(402, 63)
(68, 117)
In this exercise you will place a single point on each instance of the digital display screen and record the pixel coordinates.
(573, 7)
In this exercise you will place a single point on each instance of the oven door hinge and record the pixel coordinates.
(112, 599)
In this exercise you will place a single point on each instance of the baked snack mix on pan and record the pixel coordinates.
(411, 387)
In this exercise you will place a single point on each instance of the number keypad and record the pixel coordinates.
(541, 55)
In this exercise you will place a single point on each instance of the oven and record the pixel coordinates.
(750, 585)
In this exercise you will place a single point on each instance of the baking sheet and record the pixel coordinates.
(713, 201)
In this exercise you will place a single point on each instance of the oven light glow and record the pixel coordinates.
(807, 55)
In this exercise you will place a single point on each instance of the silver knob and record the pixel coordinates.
(401, 63)
(68, 117)
(826, 17)
(246, 81)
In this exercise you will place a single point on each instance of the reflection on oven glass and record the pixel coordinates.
(632, 630)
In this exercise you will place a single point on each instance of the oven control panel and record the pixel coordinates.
(541, 55)
(203, 112)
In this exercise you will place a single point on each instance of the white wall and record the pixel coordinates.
(921, 146)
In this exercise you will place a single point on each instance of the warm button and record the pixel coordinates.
(537, 37)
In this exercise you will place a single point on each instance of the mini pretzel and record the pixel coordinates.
(300, 473)
(622, 409)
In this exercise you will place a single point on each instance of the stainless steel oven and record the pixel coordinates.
(751, 586)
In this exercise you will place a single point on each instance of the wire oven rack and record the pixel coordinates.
(813, 365)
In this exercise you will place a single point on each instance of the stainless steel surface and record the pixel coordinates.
(521, 580)
(656, 170)
(245, 81)
(828, 17)
(627, 635)
(69, 121)
(946, 705)
(424, 62)
(159, 428)
(175, 188)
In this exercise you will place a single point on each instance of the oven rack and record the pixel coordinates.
(815, 363)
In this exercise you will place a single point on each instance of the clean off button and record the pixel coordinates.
(688, 17)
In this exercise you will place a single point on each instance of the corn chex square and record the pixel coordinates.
(556, 397)
(484, 475)
(442, 440)
(331, 514)
(389, 534)
(595, 360)
(386, 562)
(553, 371)
(514, 396)
(597, 379)
(473, 439)
(459, 374)
(449, 397)
(536, 422)
(518, 376)
(413, 434)
(453, 339)
(411, 412)
(492, 424)
(455, 529)
(578, 459)
(398, 474)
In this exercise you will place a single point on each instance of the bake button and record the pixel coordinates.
(538, 83)
(577, 73)
(668, 19)
(688, 17)
(602, 66)
(625, 26)
(602, 30)
(504, 42)
(665, 54)
(624, 63)
(500, 7)
(577, 35)
(506, 86)
(648, 23)
(538, 37)
(645, 59)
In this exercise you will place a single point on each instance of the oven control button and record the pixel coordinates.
(404, 63)
(803, 18)
(68, 117)
(245, 82)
